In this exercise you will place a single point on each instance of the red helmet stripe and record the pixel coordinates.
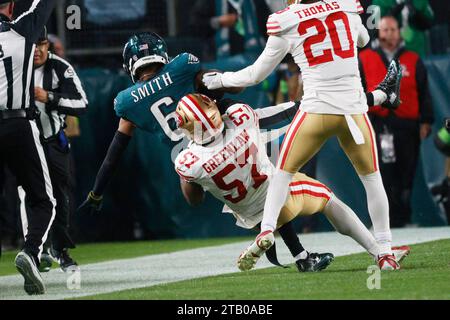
(184, 103)
(201, 111)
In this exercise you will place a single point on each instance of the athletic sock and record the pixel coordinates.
(290, 238)
(378, 204)
(276, 198)
(379, 97)
(302, 255)
(346, 222)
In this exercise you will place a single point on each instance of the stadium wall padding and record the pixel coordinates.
(144, 201)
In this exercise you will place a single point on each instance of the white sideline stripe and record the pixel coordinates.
(111, 276)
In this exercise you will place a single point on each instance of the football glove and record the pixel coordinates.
(212, 80)
(92, 205)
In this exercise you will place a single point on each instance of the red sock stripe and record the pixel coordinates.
(311, 193)
(297, 183)
(289, 143)
(374, 155)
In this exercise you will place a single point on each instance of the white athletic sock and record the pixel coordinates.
(346, 222)
(379, 97)
(302, 255)
(378, 204)
(276, 198)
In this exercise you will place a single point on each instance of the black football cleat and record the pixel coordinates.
(66, 263)
(315, 262)
(26, 265)
(391, 85)
(46, 262)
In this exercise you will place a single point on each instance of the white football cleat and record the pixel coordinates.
(400, 252)
(251, 255)
(388, 262)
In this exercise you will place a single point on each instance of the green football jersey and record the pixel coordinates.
(151, 105)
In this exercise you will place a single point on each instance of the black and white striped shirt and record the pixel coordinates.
(58, 77)
(17, 43)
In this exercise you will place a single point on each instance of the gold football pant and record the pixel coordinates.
(306, 197)
(309, 131)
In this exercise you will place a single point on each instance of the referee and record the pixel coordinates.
(58, 93)
(20, 147)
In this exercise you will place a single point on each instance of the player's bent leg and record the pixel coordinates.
(265, 239)
(364, 158)
(346, 222)
(306, 197)
(317, 197)
(303, 140)
(277, 194)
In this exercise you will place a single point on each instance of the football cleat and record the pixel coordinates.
(391, 85)
(26, 265)
(46, 262)
(388, 262)
(314, 262)
(66, 263)
(248, 258)
(400, 252)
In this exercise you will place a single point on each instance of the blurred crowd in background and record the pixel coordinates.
(231, 31)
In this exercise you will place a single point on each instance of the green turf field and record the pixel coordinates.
(91, 253)
(425, 274)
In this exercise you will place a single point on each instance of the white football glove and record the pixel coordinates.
(212, 80)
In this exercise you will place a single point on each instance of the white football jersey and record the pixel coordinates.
(323, 39)
(234, 168)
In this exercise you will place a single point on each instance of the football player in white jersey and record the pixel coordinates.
(322, 37)
(227, 157)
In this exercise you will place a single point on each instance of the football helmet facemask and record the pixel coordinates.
(141, 50)
(199, 118)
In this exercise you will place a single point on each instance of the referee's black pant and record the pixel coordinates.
(22, 152)
(398, 176)
(58, 157)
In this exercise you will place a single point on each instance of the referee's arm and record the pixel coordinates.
(69, 98)
(30, 23)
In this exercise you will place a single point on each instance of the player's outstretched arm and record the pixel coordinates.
(192, 192)
(215, 94)
(31, 22)
(116, 149)
(274, 52)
